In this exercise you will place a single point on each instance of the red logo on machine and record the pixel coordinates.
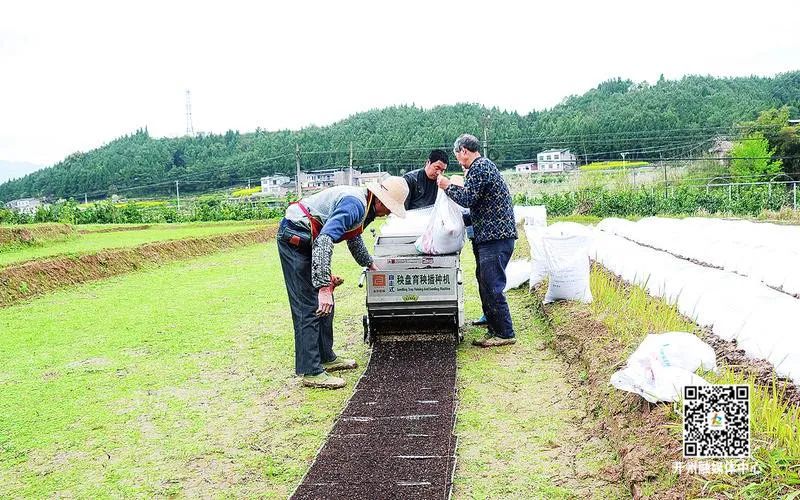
(378, 280)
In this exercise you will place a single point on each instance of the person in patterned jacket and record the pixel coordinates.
(487, 196)
(306, 236)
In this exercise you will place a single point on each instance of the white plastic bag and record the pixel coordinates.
(445, 232)
(517, 273)
(655, 382)
(567, 259)
(663, 364)
(414, 223)
(538, 271)
(531, 215)
(682, 349)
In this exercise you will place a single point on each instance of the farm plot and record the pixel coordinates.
(179, 381)
(96, 241)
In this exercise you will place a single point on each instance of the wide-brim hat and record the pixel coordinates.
(392, 192)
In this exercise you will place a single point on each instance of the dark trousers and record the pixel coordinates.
(491, 260)
(477, 274)
(313, 335)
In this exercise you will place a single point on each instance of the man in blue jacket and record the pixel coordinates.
(306, 236)
(487, 196)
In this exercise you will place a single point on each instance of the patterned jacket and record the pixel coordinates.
(486, 194)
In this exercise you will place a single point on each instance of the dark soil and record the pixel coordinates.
(115, 229)
(38, 277)
(17, 235)
(395, 437)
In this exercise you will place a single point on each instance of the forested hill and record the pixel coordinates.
(669, 118)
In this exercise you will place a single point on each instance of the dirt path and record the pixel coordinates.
(523, 426)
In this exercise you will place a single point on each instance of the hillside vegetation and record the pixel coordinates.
(617, 115)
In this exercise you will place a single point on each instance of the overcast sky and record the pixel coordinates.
(75, 75)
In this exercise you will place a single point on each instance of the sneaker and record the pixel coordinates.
(323, 381)
(340, 364)
(492, 341)
(480, 321)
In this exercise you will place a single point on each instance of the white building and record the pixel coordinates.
(556, 160)
(526, 168)
(25, 205)
(271, 185)
(367, 178)
(320, 179)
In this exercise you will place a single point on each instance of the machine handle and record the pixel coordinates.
(361, 279)
(459, 277)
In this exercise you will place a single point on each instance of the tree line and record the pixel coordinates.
(671, 118)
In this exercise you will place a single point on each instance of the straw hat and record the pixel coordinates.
(392, 192)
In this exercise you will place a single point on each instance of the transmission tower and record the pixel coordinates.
(189, 127)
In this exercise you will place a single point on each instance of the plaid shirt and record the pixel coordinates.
(486, 194)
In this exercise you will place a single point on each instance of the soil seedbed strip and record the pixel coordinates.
(395, 437)
(34, 278)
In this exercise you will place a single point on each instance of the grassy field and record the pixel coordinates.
(96, 241)
(174, 380)
(179, 380)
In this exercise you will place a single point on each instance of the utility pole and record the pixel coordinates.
(351, 163)
(189, 126)
(486, 135)
(297, 158)
(85, 199)
(248, 183)
(178, 195)
(665, 175)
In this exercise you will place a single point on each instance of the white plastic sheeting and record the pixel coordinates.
(762, 251)
(763, 321)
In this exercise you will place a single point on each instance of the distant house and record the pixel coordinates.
(721, 150)
(794, 123)
(369, 177)
(526, 168)
(321, 179)
(25, 205)
(271, 185)
(556, 160)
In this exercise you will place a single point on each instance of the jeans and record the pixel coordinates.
(313, 335)
(491, 260)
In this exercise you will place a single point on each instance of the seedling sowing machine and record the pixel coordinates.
(410, 295)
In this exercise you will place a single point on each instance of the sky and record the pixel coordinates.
(76, 75)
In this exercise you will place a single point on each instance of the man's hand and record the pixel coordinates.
(325, 299)
(336, 281)
(442, 181)
(373, 267)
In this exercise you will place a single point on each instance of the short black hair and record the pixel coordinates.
(439, 155)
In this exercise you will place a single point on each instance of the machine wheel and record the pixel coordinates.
(365, 321)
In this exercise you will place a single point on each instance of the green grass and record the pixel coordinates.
(177, 380)
(94, 242)
(611, 165)
(520, 429)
